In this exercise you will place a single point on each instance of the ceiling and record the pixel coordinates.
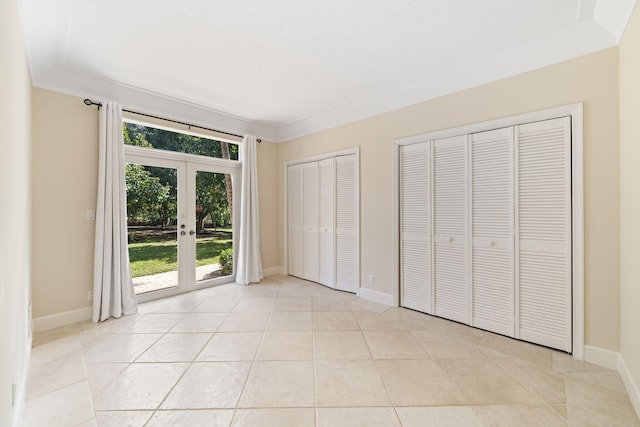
(285, 68)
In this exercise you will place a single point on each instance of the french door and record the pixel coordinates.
(181, 217)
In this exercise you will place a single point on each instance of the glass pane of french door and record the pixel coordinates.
(180, 223)
(152, 225)
(213, 226)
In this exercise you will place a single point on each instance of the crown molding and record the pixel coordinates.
(600, 25)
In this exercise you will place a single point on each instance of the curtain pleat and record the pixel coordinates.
(113, 293)
(249, 265)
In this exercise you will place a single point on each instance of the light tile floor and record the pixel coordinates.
(292, 353)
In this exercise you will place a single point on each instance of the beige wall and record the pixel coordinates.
(65, 158)
(592, 79)
(630, 198)
(64, 182)
(15, 88)
(268, 201)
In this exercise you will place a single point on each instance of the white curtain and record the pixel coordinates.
(113, 293)
(249, 266)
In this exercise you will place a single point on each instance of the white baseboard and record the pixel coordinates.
(65, 318)
(375, 296)
(271, 271)
(613, 360)
(601, 357)
(632, 387)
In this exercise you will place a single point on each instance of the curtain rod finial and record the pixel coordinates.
(89, 102)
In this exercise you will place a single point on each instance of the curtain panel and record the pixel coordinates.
(113, 293)
(249, 265)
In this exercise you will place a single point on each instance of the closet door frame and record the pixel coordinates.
(577, 195)
(285, 220)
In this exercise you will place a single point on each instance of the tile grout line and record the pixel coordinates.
(375, 365)
(121, 332)
(190, 364)
(155, 411)
(253, 362)
(437, 362)
(315, 368)
(544, 402)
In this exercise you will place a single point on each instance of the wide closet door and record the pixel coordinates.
(415, 226)
(543, 259)
(492, 220)
(346, 223)
(322, 209)
(450, 228)
(294, 197)
(485, 230)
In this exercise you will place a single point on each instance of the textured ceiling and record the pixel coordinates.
(285, 68)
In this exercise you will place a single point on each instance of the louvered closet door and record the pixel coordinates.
(415, 227)
(294, 204)
(310, 210)
(492, 222)
(326, 221)
(346, 223)
(543, 262)
(450, 228)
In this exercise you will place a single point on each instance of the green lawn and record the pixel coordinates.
(154, 256)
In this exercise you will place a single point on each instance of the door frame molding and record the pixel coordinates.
(285, 210)
(577, 196)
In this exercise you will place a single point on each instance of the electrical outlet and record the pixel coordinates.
(90, 295)
(91, 215)
(372, 279)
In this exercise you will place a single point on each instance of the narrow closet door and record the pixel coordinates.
(492, 232)
(346, 223)
(294, 205)
(450, 228)
(326, 221)
(415, 227)
(543, 263)
(310, 209)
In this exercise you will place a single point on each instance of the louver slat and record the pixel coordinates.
(311, 250)
(415, 227)
(346, 223)
(450, 228)
(294, 199)
(326, 220)
(544, 232)
(492, 230)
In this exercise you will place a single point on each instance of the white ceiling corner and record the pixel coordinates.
(286, 68)
(613, 15)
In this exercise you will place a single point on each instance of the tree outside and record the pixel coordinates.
(152, 202)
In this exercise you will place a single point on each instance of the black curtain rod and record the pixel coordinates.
(90, 102)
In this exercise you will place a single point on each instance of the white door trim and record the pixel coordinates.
(186, 166)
